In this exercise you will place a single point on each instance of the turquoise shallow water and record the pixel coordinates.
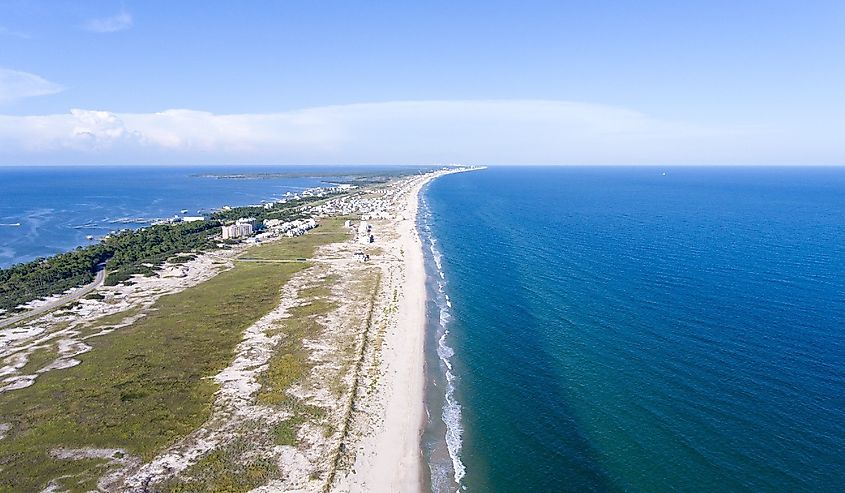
(610, 329)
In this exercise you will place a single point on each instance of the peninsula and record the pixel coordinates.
(292, 364)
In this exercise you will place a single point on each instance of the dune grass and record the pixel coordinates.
(224, 471)
(39, 358)
(147, 385)
(330, 231)
(290, 358)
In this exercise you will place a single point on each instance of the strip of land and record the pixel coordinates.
(249, 369)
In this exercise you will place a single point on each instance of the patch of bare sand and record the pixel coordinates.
(65, 330)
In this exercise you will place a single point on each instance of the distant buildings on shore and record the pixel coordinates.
(247, 227)
(242, 228)
(178, 219)
(276, 227)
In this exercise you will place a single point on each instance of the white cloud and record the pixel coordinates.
(504, 131)
(111, 24)
(15, 85)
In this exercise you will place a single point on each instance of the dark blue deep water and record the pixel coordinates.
(618, 329)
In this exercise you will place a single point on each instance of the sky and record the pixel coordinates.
(318, 82)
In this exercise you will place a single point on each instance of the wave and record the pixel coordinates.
(88, 225)
(451, 407)
(132, 220)
(451, 410)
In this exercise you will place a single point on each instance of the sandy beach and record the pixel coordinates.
(390, 459)
(361, 380)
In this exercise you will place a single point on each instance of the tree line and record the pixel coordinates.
(126, 253)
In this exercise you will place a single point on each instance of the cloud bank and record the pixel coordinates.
(15, 85)
(401, 132)
(119, 22)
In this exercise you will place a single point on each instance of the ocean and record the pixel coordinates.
(48, 210)
(636, 329)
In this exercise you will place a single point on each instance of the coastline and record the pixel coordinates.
(390, 457)
(363, 367)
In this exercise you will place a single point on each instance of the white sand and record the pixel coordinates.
(390, 456)
(383, 444)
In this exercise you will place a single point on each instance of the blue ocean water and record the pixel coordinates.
(636, 329)
(47, 210)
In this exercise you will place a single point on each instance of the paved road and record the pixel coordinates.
(68, 298)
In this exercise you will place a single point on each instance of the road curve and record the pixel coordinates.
(63, 300)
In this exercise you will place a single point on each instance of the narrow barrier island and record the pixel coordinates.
(287, 360)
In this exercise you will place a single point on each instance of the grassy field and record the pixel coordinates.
(145, 386)
(232, 468)
(329, 231)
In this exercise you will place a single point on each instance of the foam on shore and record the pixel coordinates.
(451, 430)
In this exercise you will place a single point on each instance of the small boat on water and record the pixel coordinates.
(10, 224)
(89, 237)
(183, 211)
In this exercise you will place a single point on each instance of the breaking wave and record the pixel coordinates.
(451, 409)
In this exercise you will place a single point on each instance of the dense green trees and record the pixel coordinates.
(126, 254)
(43, 277)
(133, 252)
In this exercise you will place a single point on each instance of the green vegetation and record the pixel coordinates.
(39, 358)
(224, 471)
(44, 277)
(290, 364)
(145, 386)
(133, 252)
(285, 432)
(127, 253)
(290, 359)
(108, 320)
(140, 388)
(288, 211)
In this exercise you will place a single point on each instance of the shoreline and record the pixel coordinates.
(368, 437)
(391, 458)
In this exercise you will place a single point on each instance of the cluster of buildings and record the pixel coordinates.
(319, 192)
(326, 191)
(277, 227)
(365, 233)
(372, 207)
(247, 227)
(179, 219)
(242, 228)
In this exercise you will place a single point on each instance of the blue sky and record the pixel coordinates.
(585, 82)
